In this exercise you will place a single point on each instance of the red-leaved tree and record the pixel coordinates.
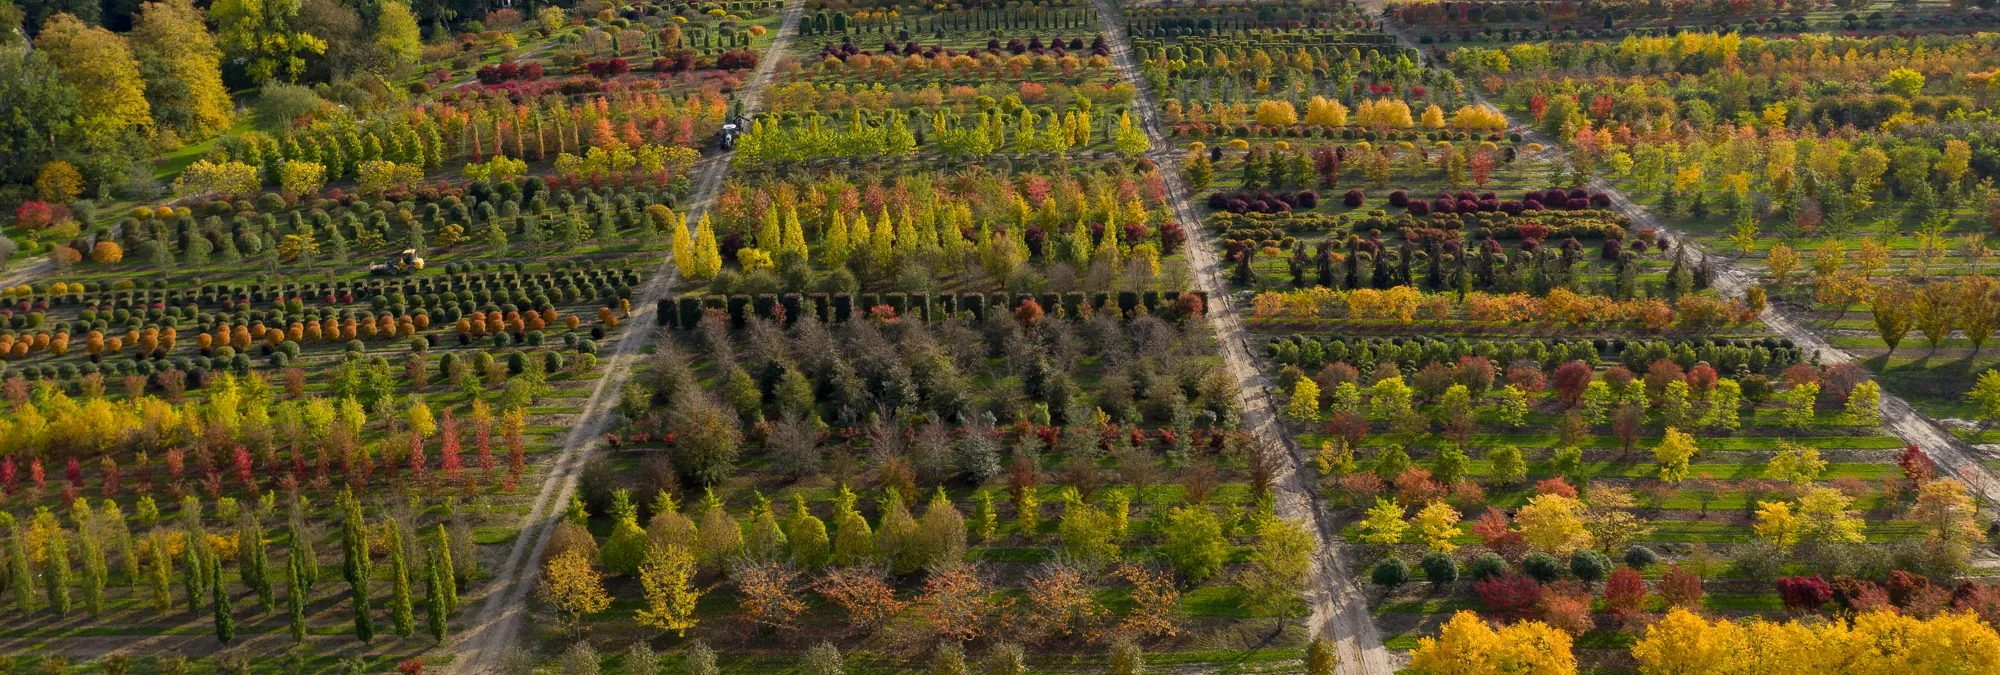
(1497, 533)
(1570, 380)
(1681, 588)
(1804, 594)
(1509, 596)
(1625, 592)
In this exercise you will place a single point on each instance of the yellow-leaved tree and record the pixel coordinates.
(1673, 453)
(574, 588)
(174, 34)
(670, 598)
(1553, 523)
(1876, 642)
(100, 64)
(1469, 645)
(1436, 524)
(1384, 524)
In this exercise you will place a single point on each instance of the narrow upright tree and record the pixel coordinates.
(57, 576)
(253, 564)
(163, 576)
(191, 574)
(435, 602)
(357, 568)
(295, 595)
(450, 579)
(400, 611)
(225, 617)
(18, 568)
(95, 571)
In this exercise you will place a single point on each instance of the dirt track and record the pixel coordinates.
(498, 623)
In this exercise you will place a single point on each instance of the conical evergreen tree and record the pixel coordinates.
(295, 595)
(57, 576)
(400, 611)
(435, 602)
(18, 568)
(225, 617)
(450, 572)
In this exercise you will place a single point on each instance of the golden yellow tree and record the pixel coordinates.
(1951, 522)
(1876, 642)
(1553, 523)
(1468, 646)
(670, 598)
(1673, 454)
(1436, 524)
(100, 64)
(574, 588)
(174, 34)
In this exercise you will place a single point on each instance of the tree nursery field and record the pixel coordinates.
(869, 336)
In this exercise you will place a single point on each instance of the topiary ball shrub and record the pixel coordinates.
(1640, 557)
(1486, 566)
(1399, 199)
(1600, 200)
(1589, 566)
(1439, 568)
(1353, 199)
(1420, 208)
(1542, 566)
(1391, 573)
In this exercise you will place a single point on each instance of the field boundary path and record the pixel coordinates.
(1339, 607)
(498, 625)
(1955, 457)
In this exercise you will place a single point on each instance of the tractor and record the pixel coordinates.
(406, 262)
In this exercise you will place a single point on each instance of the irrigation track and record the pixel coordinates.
(1954, 456)
(1339, 608)
(498, 624)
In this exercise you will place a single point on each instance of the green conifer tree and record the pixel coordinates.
(225, 617)
(400, 612)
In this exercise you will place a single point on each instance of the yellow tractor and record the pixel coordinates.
(406, 262)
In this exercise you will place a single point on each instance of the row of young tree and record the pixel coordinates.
(42, 555)
(858, 567)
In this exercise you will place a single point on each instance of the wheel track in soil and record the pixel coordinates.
(1339, 606)
(1954, 456)
(504, 607)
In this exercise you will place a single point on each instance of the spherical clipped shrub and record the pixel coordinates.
(1577, 204)
(1353, 199)
(356, 346)
(1439, 567)
(1399, 199)
(1307, 199)
(1542, 566)
(586, 347)
(1589, 565)
(1486, 566)
(1419, 208)
(1443, 205)
(1640, 557)
(1531, 205)
(1600, 200)
(1391, 572)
